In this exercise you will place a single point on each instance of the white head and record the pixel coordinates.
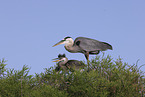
(66, 41)
(61, 61)
(64, 60)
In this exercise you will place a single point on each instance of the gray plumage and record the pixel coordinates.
(91, 45)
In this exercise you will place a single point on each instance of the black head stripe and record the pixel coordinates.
(61, 55)
(66, 37)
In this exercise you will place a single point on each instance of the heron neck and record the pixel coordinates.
(69, 44)
(70, 48)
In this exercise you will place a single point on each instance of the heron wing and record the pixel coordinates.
(88, 44)
(76, 63)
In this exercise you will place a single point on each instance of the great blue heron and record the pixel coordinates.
(84, 45)
(65, 64)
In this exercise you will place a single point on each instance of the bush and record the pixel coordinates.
(104, 78)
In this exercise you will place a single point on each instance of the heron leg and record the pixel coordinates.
(87, 57)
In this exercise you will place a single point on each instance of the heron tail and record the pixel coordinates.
(107, 46)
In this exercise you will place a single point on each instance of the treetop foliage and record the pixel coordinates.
(104, 78)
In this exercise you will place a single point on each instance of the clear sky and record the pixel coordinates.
(29, 29)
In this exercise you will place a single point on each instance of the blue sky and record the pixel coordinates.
(29, 29)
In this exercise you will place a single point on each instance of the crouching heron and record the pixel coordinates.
(84, 45)
(65, 64)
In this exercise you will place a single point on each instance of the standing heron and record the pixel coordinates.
(84, 45)
(65, 64)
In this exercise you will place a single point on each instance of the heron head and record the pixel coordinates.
(62, 59)
(66, 40)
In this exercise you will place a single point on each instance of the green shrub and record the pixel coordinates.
(104, 78)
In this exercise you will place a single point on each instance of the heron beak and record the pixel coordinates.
(61, 42)
(56, 60)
